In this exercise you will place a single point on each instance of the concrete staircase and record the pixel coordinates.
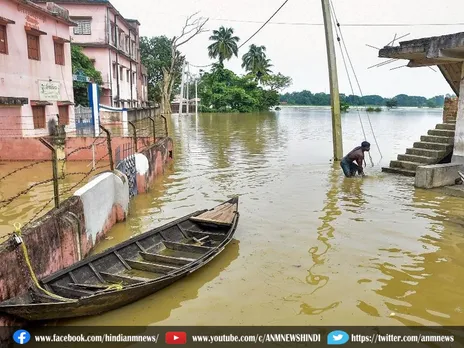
(435, 147)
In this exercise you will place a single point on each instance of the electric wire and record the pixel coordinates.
(354, 73)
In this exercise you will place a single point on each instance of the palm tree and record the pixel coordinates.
(254, 56)
(224, 46)
(255, 62)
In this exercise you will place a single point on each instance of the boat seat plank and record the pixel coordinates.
(68, 292)
(171, 260)
(218, 217)
(151, 267)
(116, 278)
(187, 247)
(90, 286)
(212, 236)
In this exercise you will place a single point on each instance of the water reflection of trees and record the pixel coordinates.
(427, 288)
(325, 233)
(226, 133)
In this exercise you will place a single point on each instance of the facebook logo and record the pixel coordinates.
(21, 337)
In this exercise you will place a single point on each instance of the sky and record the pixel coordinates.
(299, 51)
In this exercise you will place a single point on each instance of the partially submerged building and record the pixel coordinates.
(447, 140)
(36, 84)
(112, 42)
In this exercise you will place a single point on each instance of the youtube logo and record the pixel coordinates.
(176, 338)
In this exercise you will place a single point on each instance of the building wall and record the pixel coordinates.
(20, 76)
(119, 44)
(450, 109)
(97, 14)
(458, 152)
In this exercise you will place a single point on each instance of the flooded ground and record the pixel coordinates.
(312, 247)
(17, 177)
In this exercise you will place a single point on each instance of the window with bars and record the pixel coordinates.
(33, 46)
(38, 115)
(3, 40)
(63, 113)
(84, 27)
(59, 53)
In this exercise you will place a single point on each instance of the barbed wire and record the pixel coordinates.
(23, 192)
(22, 168)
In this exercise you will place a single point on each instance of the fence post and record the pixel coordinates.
(154, 129)
(135, 134)
(56, 192)
(165, 125)
(108, 143)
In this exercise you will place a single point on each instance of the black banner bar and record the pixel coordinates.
(232, 336)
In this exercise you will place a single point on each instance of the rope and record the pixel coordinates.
(18, 232)
(355, 75)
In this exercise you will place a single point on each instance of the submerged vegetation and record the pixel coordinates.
(401, 100)
(221, 90)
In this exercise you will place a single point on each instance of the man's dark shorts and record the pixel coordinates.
(349, 168)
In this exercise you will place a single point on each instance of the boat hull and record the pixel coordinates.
(49, 308)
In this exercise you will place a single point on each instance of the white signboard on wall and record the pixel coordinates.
(49, 90)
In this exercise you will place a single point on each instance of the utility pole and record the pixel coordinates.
(334, 92)
(196, 97)
(181, 103)
(188, 89)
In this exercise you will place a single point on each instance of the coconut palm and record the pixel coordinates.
(256, 63)
(255, 56)
(224, 46)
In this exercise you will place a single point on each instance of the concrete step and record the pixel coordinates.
(405, 165)
(441, 132)
(449, 126)
(400, 171)
(432, 146)
(437, 139)
(438, 154)
(423, 160)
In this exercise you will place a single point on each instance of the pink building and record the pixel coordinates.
(35, 68)
(112, 42)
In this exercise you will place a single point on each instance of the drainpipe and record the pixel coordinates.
(109, 54)
(130, 60)
(118, 70)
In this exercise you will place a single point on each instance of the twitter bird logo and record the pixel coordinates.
(337, 337)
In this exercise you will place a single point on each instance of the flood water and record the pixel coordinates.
(312, 247)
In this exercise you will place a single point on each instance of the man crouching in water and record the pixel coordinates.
(357, 154)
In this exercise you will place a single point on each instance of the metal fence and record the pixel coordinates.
(125, 162)
(84, 121)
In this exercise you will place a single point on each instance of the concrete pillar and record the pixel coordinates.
(125, 123)
(458, 153)
(59, 142)
(94, 101)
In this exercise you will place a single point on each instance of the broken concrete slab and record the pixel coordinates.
(437, 175)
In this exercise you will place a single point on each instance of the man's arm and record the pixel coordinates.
(359, 161)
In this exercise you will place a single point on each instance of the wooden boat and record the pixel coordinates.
(131, 270)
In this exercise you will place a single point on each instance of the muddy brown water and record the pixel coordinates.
(312, 247)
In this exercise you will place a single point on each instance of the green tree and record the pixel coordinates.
(224, 45)
(156, 55)
(82, 63)
(221, 90)
(254, 61)
(391, 103)
(277, 82)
